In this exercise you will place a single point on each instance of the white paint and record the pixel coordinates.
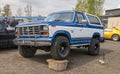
(75, 32)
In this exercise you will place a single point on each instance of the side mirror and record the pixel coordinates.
(84, 21)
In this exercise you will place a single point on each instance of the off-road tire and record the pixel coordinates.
(26, 51)
(60, 48)
(94, 47)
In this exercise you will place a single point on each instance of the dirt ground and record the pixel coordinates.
(79, 61)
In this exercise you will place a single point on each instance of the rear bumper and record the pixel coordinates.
(35, 42)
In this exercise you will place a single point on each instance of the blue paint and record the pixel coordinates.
(97, 34)
(80, 41)
(62, 32)
(34, 37)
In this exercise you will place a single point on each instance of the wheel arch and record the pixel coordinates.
(96, 35)
(115, 34)
(61, 33)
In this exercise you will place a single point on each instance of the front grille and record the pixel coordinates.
(29, 30)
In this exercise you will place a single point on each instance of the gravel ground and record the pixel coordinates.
(79, 62)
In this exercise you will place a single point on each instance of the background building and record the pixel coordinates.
(113, 12)
(111, 18)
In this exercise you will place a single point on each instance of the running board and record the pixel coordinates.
(79, 45)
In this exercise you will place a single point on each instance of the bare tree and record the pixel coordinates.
(0, 11)
(28, 10)
(19, 12)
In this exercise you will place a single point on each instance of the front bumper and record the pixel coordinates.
(15, 42)
(34, 42)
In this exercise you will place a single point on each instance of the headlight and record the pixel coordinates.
(45, 27)
(45, 30)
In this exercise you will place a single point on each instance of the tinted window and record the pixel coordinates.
(93, 20)
(79, 18)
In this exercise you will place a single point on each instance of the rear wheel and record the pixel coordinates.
(94, 47)
(115, 37)
(26, 51)
(60, 48)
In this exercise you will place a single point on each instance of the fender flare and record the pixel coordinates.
(61, 33)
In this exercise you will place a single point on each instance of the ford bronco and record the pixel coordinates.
(59, 32)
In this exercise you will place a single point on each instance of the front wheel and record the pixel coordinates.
(60, 48)
(94, 47)
(26, 51)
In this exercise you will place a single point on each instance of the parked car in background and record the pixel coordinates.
(112, 33)
(7, 36)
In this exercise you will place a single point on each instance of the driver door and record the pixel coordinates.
(81, 30)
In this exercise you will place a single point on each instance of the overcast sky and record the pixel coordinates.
(44, 7)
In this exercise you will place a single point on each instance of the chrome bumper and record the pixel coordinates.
(33, 42)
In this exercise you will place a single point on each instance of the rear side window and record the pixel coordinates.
(93, 20)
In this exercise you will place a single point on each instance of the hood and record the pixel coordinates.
(31, 23)
(42, 23)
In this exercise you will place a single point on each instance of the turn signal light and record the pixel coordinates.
(16, 34)
(45, 33)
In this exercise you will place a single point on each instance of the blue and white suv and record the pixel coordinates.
(60, 31)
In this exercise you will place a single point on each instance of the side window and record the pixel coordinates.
(93, 20)
(79, 18)
(108, 30)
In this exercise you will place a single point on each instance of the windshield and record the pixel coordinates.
(62, 17)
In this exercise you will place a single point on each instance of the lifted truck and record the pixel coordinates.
(60, 31)
(7, 36)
